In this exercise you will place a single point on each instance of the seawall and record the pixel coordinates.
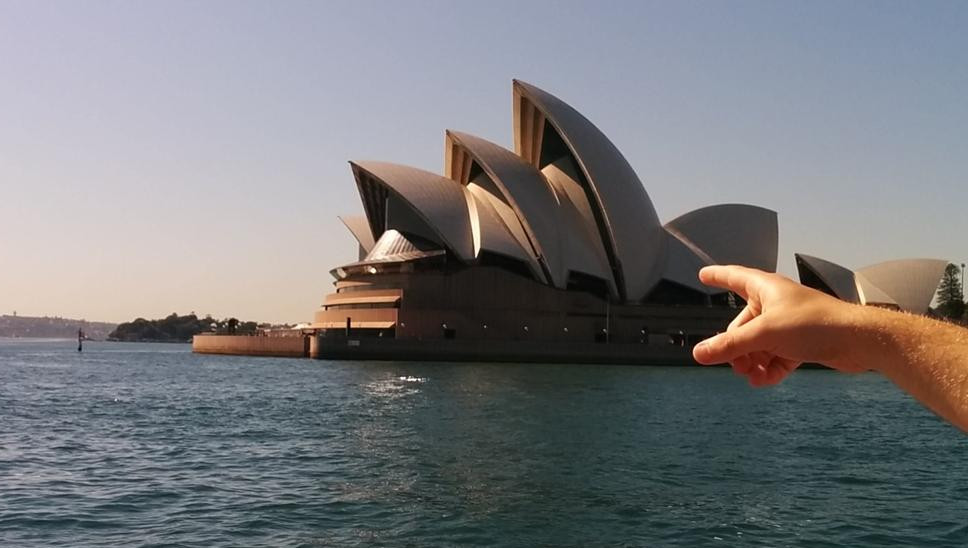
(249, 345)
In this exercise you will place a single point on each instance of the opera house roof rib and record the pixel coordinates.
(905, 284)
(565, 208)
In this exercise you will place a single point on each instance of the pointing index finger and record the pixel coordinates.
(738, 279)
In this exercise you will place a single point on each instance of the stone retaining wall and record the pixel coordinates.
(247, 345)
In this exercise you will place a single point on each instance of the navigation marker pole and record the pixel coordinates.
(80, 340)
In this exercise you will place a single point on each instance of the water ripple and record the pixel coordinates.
(150, 445)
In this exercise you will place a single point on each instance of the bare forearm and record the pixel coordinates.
(924, 357)
(785, 324)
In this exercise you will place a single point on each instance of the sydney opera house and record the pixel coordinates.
(546, 251)
(551, 252)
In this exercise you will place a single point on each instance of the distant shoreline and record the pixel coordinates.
(36, 339)
(74, 340)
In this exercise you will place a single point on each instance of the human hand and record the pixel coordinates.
(783, 325)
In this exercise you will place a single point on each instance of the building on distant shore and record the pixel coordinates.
(555, 243)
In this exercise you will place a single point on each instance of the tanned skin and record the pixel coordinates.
(785, 324)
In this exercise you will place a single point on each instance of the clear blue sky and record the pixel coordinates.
(178, 156)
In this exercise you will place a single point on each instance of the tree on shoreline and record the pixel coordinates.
(175, 328)
(951, 299)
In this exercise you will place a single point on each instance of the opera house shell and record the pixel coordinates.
(905, 284)
(555, 242)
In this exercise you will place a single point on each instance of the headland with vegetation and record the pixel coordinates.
(175, 328)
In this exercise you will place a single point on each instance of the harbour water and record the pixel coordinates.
(139, 444)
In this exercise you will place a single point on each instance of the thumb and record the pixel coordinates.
(726, 347)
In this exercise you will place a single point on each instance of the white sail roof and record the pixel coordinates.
(360, 228)
(731, 234)
(832, 276)
(566, 204)
(491, 233)
(908, 284)
(911, 283)
(434, 200)
(683, 263)
(555, 236)
(624, 214)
